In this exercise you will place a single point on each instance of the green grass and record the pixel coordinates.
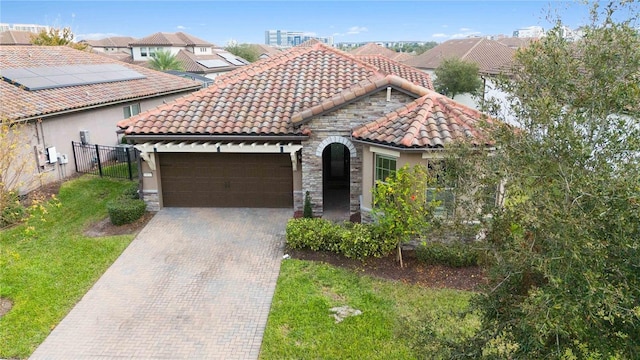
(300, 325)
(119, 170)
(47, 264)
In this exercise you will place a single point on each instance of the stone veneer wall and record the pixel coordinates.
(341, 123)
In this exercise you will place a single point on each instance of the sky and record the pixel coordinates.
(246, 21)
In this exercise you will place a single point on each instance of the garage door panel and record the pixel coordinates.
(226, 180)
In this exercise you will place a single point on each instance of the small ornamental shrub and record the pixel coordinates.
(455, 254)
(307, 210)
(125, 210)
(131, 191)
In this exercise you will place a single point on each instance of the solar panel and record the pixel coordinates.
(52, 77)
(231, 58)
(212, 63)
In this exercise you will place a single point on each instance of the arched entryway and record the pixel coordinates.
(336, 177)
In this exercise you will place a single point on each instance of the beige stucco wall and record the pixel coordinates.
(59, 131)
(402, 159)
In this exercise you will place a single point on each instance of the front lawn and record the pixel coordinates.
(47, 264)
(300, 325)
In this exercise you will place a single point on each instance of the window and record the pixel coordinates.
(131, 110)
(143, 51)
(385, 166)
(443, 191)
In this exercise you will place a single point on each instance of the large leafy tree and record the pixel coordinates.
(455, 76)
(566, 244)
(163, 60)
(57, 37)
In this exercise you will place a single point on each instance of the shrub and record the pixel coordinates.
(360, 241)
(314, 234)
(13, 212)
(454, 254)
(125, 210)
(131, 191)
(307, 210)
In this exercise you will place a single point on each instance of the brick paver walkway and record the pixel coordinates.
(194, 284)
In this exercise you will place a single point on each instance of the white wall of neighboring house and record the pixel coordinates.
(136, 51)
(490, 92)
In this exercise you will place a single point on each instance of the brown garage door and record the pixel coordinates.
(226, 180)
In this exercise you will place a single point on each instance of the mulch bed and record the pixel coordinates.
(413, 272)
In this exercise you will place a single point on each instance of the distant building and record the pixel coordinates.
(285, 39)
(24, 27)
(386, 44)
(529, 32)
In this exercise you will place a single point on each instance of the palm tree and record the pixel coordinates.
(164, 60)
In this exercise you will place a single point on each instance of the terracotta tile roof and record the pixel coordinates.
(115, 41)
(15, 37)
(275, 96)
(431, 121)
(391, 67)
(18, 103)
(178, 39)
(375, 49)
(403, 57)
(490, 55)
(259, 98)
(265, 50)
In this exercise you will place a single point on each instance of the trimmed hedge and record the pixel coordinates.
(454, 254)
(132, 191)
(125, 210)
(358, 241)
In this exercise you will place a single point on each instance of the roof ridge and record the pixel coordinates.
(463, 57)
(261, 65)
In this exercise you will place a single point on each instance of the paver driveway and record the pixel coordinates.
(194, 284)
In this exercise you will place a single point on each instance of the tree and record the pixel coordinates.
(455, 76)
(245, 51)
(163, 60)
(57, 37)
(401, 210)
(566, 244)
(17, 170)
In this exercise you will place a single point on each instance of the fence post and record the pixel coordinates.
(129, 163)
(98, 159)
(75, 158)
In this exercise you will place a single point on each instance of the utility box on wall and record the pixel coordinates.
(84, 137)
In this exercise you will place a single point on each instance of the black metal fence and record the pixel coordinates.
(110, 161)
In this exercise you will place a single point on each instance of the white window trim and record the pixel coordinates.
(387, 152)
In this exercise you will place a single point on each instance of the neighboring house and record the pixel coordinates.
(198, 56)
(375, 49)
(312, 118)
(516, 42)
(491, 56)
(265, 51)
(60, 92)
(15, 37)
(111, 45)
